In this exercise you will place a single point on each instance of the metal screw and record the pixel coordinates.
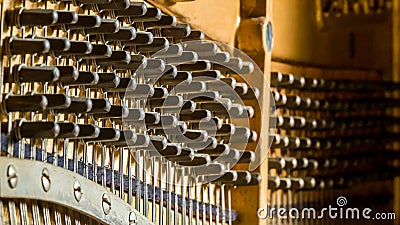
(12, 176)
(46, 183)
(269, 37)
(132, 218)
(77, 191)
(106, 203)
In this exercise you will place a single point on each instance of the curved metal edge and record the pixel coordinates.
(31, 181)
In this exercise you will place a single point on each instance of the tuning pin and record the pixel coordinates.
(142, 91)
(24, 103)
(78, 105)
(106, 135)
(116, 111)
(136, 62)
(158, 44)
(171, 51)
(160, 92)
(273, 182)
(210, 142)
(22, 46)
(233, 156)
(157, 143)
(164, 21)
(187, 107)
(68, 73)
(219, 149)
(170, 150)
(151, 14)
(252, 94)
(211, 125)
(203, 49)
(185, 57)
(193, 87)
(207, 75)
(57, 101)
(247, 157)
(177, 32)
(228, 176)
(107, 26)
(100, 106)
(20, 17)
(142, 141)
(198, 66)
(180, 78)
(285, 184)
(179, 129)
(255, 179)
(219, 108)
(208, 96)
(195, 35)
(233, 66)
(135, 9)
(153, 68)
(114, 5)
(198, 160)
(127, 138)
(196, 116)
(170, 101)
(297, 183)
(66, 17)
(166, 122)
(84, 78)
(68, 130)
(276, 163)
(116, 57)
(186, 155)
(76, 48)
(37, 130)
(25, 74)
(123, 34)
(142, 38)
(87, 131)
(84, 21)
(212, 169)
(106, 81)
(135, 115)
(99, 51)
(193, 136)
(243, 178)
(57, 43)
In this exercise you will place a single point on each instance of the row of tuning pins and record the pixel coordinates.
(199, 122)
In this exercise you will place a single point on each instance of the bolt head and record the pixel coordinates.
(12, 176)
(132, 218)
(106, 204)
(46, 183)
(77, 191)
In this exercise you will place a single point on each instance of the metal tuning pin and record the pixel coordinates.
(127, 138)
(76, 48)
(116, 57)
(106, 135)
(151, 14)
(24, 103)
(68, 130)
(99, 51)
(78, 105)
(164, 21)
(22, 46)
(56, 43)
(135, 9)
(100, 106)
(84, 21)
(20, 17)
(142, 38)
(114, 5)
(123, 34)
(158, 44)
(84, 78)
(27, 74)
(48, 130)
(68, 73)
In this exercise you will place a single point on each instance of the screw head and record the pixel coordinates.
(46, 183)
(77, 191)
(106, 204)
(132, 218)
(269, 37)
(12, 176)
